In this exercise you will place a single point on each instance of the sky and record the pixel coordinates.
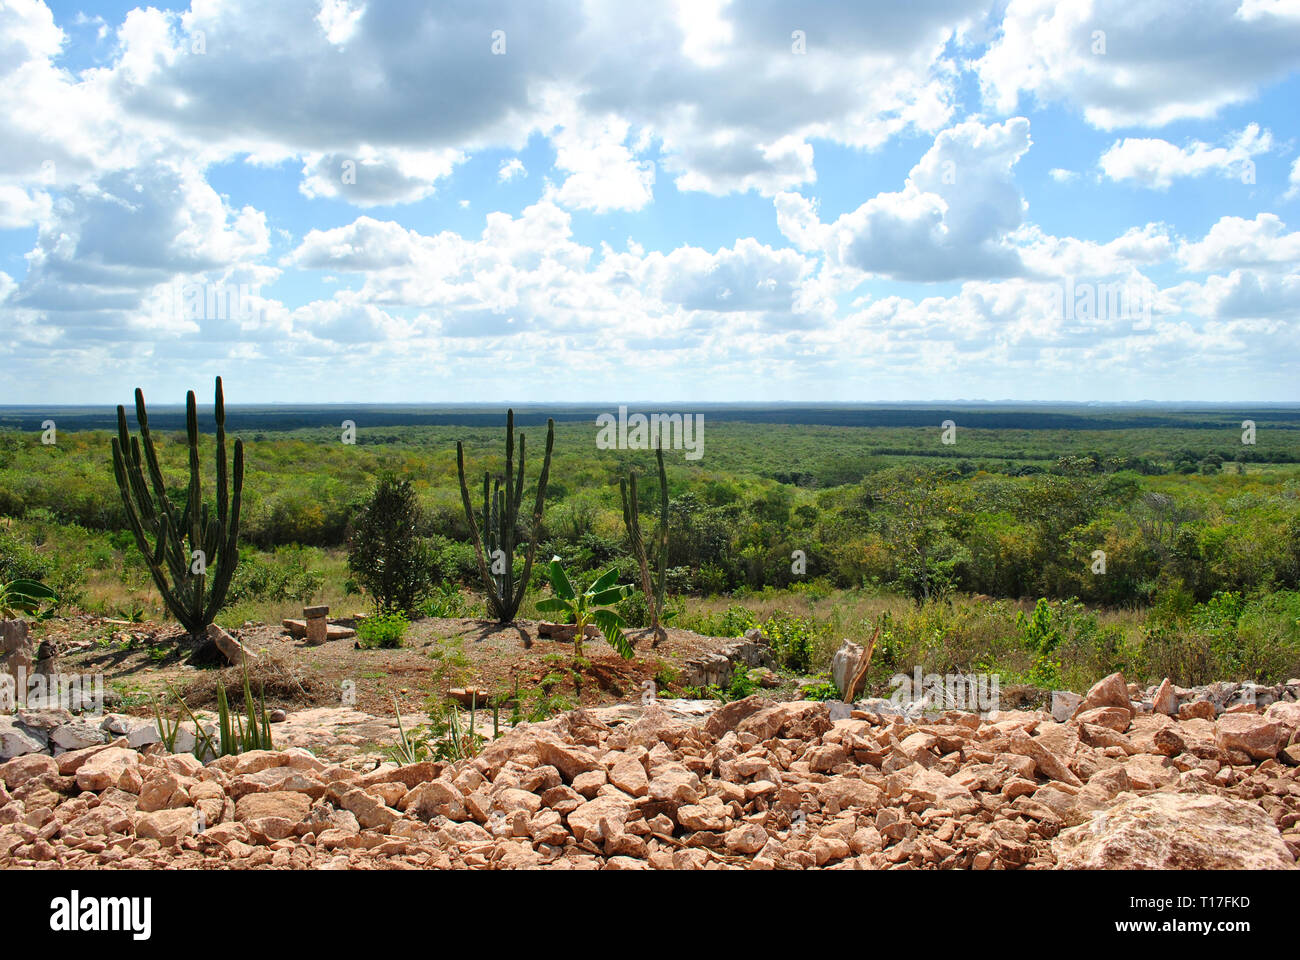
(341, 201)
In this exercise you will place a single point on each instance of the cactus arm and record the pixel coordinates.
(538, 506)
(151, 457)
(223, 503)
(661, 535)
(484, 573)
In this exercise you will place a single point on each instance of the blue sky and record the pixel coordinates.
(338, 200)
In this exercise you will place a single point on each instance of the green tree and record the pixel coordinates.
(386, 555)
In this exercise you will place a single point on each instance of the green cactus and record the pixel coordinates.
(494, 534)
(193, 582)
(653, 588)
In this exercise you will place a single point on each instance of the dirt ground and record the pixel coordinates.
(142, 660)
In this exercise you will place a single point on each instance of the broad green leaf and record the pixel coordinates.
(559, 579)
(33, 589)
(604, 581)
(606, 597)
(610, 624)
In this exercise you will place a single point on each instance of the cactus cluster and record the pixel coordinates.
(193, 578)
(651, 587)
(494, 530)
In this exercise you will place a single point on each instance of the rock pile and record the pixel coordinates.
(755, 784)
(716, 669)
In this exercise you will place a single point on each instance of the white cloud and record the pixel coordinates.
(603, 172)
(369, 177)
(514, 167)
(1157, 163)
(1148, 64)
(1293, 190)
(1233, 242)
(950, 221)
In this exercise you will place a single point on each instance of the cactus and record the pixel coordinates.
(652, 588)
(494, 535)
(193, 582)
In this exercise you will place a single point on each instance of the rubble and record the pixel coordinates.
(753, 784)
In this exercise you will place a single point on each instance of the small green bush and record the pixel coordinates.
(383, 631)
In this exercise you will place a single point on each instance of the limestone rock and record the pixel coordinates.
(1169, 831)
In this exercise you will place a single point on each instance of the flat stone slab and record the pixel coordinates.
(299, 629)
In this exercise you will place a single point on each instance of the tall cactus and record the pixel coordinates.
(494, 534)
(193, 582)
(652, 588)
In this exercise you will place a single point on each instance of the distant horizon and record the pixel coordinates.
(614, 404)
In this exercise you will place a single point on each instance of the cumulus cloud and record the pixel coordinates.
(1157, 163)
(1125, 64)
(1262, 243)
(950, 221)
(368, 177)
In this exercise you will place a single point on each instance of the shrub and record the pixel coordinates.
(382, 631)
(386, 556)
(793, 640)
(446, 601)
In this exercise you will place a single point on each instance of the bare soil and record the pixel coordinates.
(140, 660)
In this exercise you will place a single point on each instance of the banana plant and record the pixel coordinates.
(590, 606)
(24, 596)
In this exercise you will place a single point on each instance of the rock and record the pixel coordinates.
(727, 716)
(1285, 715)
(1064, 705)
(848, 668)
(77, 735)
(569, 760)
(1197, 710)
(333, 630)
(1249, 733)
(746, 839)
(676, 785)
(437, 798)
(1048, 764)
(102, 769)
(629, 775)
(15, 739)
(1165, 700)
(585, 821)
(1109, 691)
(317, 624)
(371, 812)
(471, 697)
(14, 773)
(1113, 718)
(44, 719)
(16, 652)
(167, 825)
(284, 804)
(137, 731)
(1168, 831)
(230, 648)
(255, 761)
